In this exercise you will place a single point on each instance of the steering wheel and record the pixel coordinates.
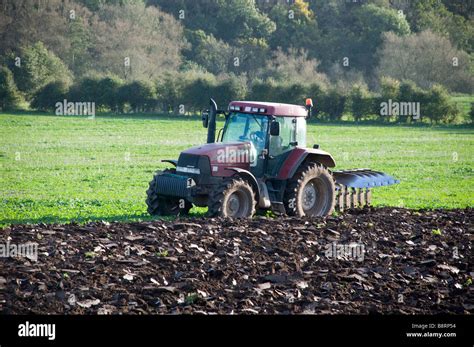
(258, 138)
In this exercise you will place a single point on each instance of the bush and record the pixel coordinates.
(197, 93)
(230, 89)
(409, 92)
(169, 92)
(46, 98)
(389, 90)
(108, 93)
(438, 106)
(86, 90)
(140, 95)
(332, 105)
(263, 90)
(10, 97)
(361, 102)
(294, 93)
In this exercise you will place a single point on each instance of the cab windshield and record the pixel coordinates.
(246, 127)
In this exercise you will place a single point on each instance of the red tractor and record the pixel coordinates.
(259, 162)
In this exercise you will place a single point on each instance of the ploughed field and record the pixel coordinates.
(62, 169)
(375, 260)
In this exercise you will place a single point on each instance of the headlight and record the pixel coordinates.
(191, 170)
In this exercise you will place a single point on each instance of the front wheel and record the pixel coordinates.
(161, 205)
(233, 198)
(310, 192)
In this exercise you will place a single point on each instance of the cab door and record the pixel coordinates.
(281, 146)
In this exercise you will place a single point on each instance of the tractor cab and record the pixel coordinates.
(272, 130)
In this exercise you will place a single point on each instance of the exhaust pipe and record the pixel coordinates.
(211, 129)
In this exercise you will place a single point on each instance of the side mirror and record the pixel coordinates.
(274, 128)
(205, 118)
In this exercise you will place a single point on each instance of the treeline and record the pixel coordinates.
(185, 96)
(170, 54)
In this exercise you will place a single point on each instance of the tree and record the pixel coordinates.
(426, 59)
(438, 106)
(450, 19)
(46, 97)
(294, 67)
(263, 90)
(136, 42)
(9, 95)
(230, 21)
(360, 101)
(229, 89)
(389, 90)
(410, 92)
(87, 89)
(169, 90)
(197, 93)
(61, 25)
(108, 92)
(369, 23)
(296, 25)
(332, 105)
(39, 67)
(139, 95)
(213, 54)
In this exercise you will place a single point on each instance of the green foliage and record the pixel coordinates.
(213, 54)
(271, 51)
(360, 101)
(229, 89)
(108, 95)
(46, 98)
(10, 97)
(39, 66)
(390, 88)
(140, 95)
(169, 91)
(332, 105)
(197, 93)
(227, 20)
(426, 58)
(296, 25)
(87, 89)
(438, 106)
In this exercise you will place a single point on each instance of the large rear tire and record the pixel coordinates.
(233, 198)
(310, 192)
(160, 205)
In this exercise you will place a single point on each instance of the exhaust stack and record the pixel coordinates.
(211, 129)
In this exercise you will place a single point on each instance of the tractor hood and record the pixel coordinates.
(225, 155)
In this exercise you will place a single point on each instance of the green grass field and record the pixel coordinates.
(61, 169)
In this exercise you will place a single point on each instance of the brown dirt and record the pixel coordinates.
(413, 262)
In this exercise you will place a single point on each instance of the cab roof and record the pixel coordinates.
(269, 108)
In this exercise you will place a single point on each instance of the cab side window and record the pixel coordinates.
(282, 143)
